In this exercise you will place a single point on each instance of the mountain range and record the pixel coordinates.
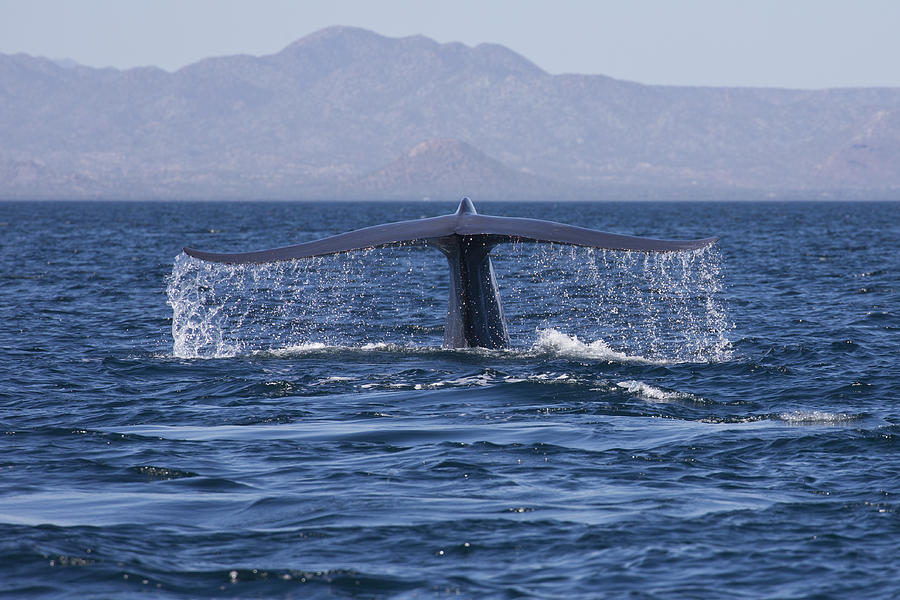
(348, 113)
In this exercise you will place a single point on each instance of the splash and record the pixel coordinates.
(221, 311)
(560, 344)
(662, 307)
(629, 307)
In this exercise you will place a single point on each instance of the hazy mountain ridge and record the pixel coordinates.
(338, 112)
(450, 168)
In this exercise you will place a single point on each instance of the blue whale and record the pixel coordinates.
(474, 312)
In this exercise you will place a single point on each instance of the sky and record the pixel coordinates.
(758, 43)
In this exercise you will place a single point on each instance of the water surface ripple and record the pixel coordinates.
(719, 425)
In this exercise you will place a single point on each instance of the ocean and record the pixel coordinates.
(722, 423)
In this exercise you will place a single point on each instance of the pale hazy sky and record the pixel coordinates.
(783, 43)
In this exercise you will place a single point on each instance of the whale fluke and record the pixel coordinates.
(465, 221)
(474, 314)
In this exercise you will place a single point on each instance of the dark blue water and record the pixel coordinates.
(722, 424)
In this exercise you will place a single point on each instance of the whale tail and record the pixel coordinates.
(474, 312)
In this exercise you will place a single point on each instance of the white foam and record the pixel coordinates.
(556, 342)
(814, 417)
(484, 379)
(296, 349)
(481, 380)
(649, 392)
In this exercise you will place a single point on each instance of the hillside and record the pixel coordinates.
(345, 111)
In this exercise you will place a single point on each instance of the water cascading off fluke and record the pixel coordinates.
(474, 311)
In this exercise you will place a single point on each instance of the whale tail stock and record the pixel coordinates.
(474, 312)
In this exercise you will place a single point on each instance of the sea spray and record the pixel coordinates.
(663, 307)
(666, 307)
(222, 310)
